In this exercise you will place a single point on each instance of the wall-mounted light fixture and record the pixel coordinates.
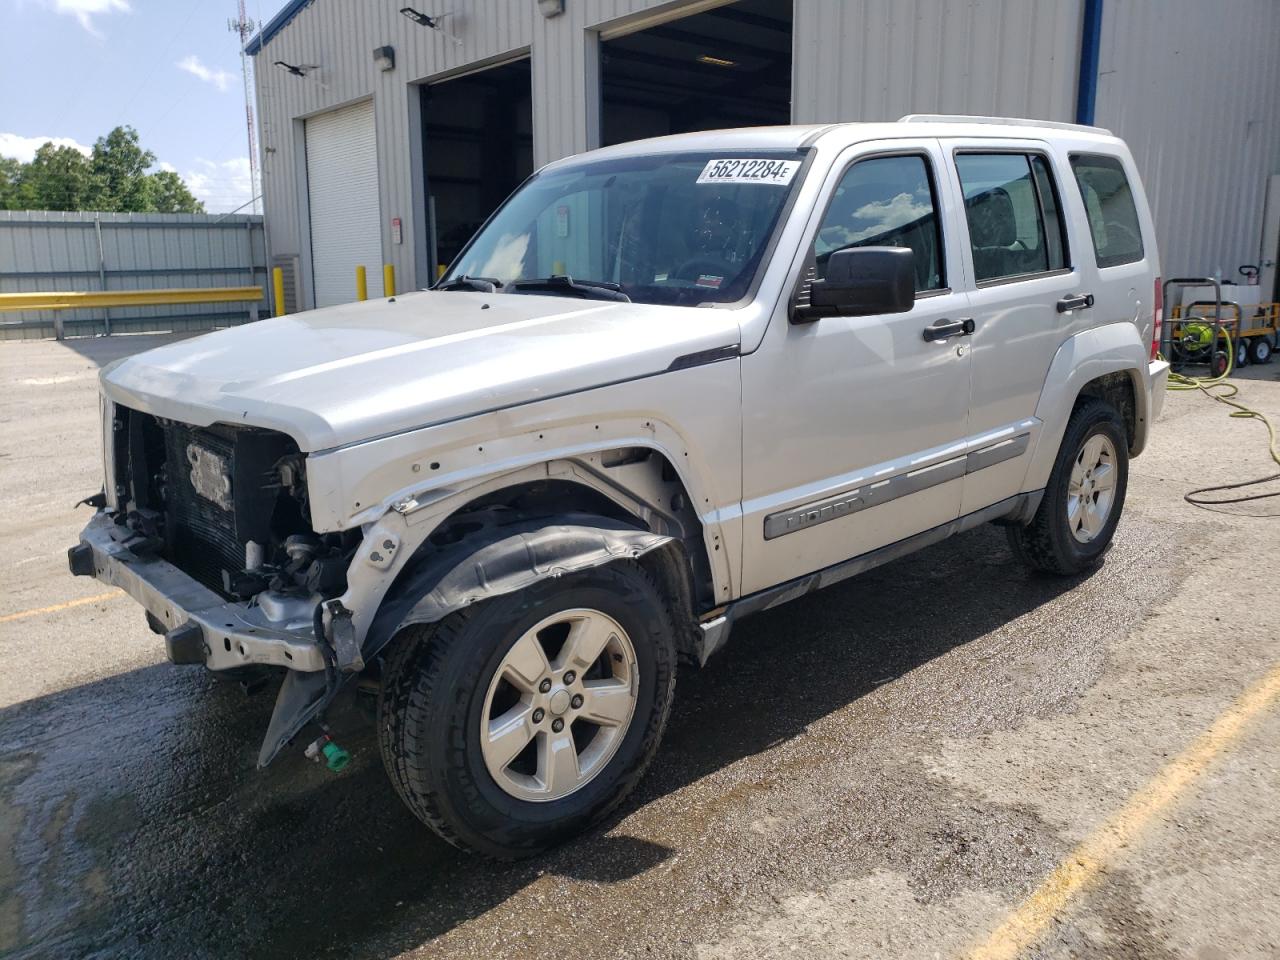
(550, 8)
(427, 20)
(384, 58)
(300, 70)
(421, 19)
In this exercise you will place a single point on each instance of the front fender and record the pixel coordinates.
(498, 557)
(1113, 348)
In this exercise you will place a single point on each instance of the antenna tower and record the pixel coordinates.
(243, 27)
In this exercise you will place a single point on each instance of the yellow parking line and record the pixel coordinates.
(1027, 924)
(23, 614)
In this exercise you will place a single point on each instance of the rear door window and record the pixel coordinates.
(1108, 202)
(1011, 204)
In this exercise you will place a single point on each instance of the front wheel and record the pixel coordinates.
(1083, 500)
(513, 725)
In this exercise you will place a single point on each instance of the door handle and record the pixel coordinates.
(1076, 301)
(944, 329)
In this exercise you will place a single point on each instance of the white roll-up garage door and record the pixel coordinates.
(342, 187)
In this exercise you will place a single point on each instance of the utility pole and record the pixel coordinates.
(242, 26)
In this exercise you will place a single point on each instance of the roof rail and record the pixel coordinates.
(1001, 121)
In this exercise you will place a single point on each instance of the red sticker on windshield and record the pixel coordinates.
(707, 280)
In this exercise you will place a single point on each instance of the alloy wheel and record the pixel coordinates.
(1092, 489)
(559, 705)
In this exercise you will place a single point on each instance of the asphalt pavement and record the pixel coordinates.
(930, 760)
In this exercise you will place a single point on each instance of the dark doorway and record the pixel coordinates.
(477, 135)
(726, 67)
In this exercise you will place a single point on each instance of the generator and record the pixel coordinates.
(1220, 333)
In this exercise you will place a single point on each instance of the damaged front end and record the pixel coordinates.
(208, 528)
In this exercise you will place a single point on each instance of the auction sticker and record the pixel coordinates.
(749, 171)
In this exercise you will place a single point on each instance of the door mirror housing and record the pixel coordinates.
(861, 282)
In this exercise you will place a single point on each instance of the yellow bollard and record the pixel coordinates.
(277, 290)
(440, 269)
(388, 280)
(362, 284)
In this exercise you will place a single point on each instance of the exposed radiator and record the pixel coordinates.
(202, 535)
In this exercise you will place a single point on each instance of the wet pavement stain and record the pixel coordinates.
(142, 828)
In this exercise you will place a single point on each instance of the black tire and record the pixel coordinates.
(1047, 543)
(433, 694)
(1218, 363)
(1260, 350)
(1243, 347)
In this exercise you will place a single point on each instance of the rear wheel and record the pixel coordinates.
(511, 726)
(1260, 350)
(1084, 497)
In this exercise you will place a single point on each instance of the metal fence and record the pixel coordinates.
(55, 251)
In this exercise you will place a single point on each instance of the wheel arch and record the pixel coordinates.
(1121, 391)
(1109, 363)
(628, 502)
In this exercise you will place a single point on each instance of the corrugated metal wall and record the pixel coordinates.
(44, 250)
(854, 59)
(1195, 90)
(339, 36)
(881, 59)
(1194, 87)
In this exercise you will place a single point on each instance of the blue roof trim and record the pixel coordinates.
(275, 25)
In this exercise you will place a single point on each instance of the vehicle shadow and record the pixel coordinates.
(103, 350)
(142, 828)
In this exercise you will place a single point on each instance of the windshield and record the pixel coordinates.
(686, 229)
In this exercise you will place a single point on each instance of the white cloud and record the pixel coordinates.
(874, 219)
(24, 148)
(218, 77)
(222, 186)
(85, 10)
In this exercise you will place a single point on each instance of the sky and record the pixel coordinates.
(71, 70)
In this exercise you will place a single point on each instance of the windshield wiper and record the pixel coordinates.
(569, 287)
(477, 284)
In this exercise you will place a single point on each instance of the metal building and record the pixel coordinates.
(390, 132)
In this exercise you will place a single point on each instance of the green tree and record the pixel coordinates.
(59, 178)
(120, 172)
(170, 195)
(10, 183)
(113, 178)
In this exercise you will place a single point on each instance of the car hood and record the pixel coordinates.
(344, 374)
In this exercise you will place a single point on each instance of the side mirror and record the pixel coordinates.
(860, 282)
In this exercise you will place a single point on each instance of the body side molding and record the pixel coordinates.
(715, 632)
(891, 488)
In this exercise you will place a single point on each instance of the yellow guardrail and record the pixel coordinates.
(58, 300)
(74, 299)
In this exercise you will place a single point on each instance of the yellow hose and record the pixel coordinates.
(1215, 388)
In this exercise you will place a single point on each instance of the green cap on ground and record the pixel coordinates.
(336, 757)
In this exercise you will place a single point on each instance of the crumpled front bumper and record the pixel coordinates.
(202, 625)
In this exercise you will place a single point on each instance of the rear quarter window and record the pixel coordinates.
(1108, 203)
